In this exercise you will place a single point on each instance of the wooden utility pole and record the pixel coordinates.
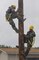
(21, 30)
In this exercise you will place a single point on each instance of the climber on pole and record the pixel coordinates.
(29, 39)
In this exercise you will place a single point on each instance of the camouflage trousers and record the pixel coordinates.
(11, 22)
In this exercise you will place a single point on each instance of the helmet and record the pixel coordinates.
(13, 6)
(31, 27)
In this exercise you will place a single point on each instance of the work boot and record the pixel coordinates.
(22, 20)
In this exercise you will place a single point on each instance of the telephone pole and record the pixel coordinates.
(21, 30)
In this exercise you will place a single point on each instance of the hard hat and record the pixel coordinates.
(13, 6)
(31, 27)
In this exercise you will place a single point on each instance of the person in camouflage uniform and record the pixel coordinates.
(29, 39)
(10, 15)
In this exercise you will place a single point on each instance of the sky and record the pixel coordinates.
(31, 12)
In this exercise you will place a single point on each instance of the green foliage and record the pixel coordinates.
(3, 46)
